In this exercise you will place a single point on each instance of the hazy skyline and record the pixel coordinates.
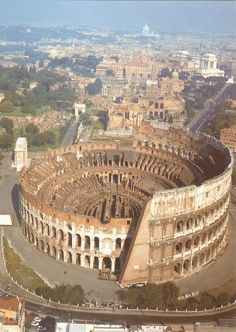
(171, 16)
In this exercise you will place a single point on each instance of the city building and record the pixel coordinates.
(20, 153)
(172, 85)
(208, 66)
(126, 115)
(12, 314)
(228, 137)
(167, 108)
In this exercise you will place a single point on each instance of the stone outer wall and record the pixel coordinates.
(183, 230)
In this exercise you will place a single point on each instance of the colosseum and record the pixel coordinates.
(151, 212)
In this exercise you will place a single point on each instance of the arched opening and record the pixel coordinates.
(78, 240)
(37, 242)
(87, 242)
(95, 263)
(204, 238)
(69, 239)
(208, 255)
(78, 259)
(195, 262)
(87, 261)
(118, 243)
(186, 265)
(115, 178)
(42, 245)
(54, 232)
(96, 243)
(61, 255)
(47, 229)
(189, 224)
(32, 238)
(156, 105)
(188, 245)
(54, 252)
(202, 258)
(117, 265)
(61, 234)
(47, 249)
(180, 226)
(41, 227)
(36, 223)
(161, 106)
(69, 257)
(196, 241)
(178, 268)
(106, 263)
(117, 160)
(179, 248)
(210, 234)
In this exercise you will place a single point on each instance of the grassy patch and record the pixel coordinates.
(3, 280)
(18, 112)
(24, 275)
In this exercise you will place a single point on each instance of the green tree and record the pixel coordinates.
(222, 299)
(94, 88)
(6, 141)
(7, 124)
(170, 294)
(206, 301)
(31, 129)
(6, 106)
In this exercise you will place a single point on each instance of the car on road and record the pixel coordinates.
(36, 321)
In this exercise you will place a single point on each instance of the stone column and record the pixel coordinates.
(112, 264)
(82, 260)
(100, 259)
(91, 262)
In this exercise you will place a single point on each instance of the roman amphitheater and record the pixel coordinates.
(151, 212)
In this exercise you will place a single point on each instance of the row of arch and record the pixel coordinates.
(85, 242)
(199, 240)
(197, 261)
(82, 259)
(204, 219)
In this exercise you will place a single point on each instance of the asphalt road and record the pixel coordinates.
(70, 134)
(200, 123)
(118, 316)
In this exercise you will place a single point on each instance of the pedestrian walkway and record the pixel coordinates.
(218, 272)
(57, 272)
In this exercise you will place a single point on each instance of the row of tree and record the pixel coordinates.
(165, 296)
(66, 294)
(222, 119)
(34, 137)
(6, 139)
